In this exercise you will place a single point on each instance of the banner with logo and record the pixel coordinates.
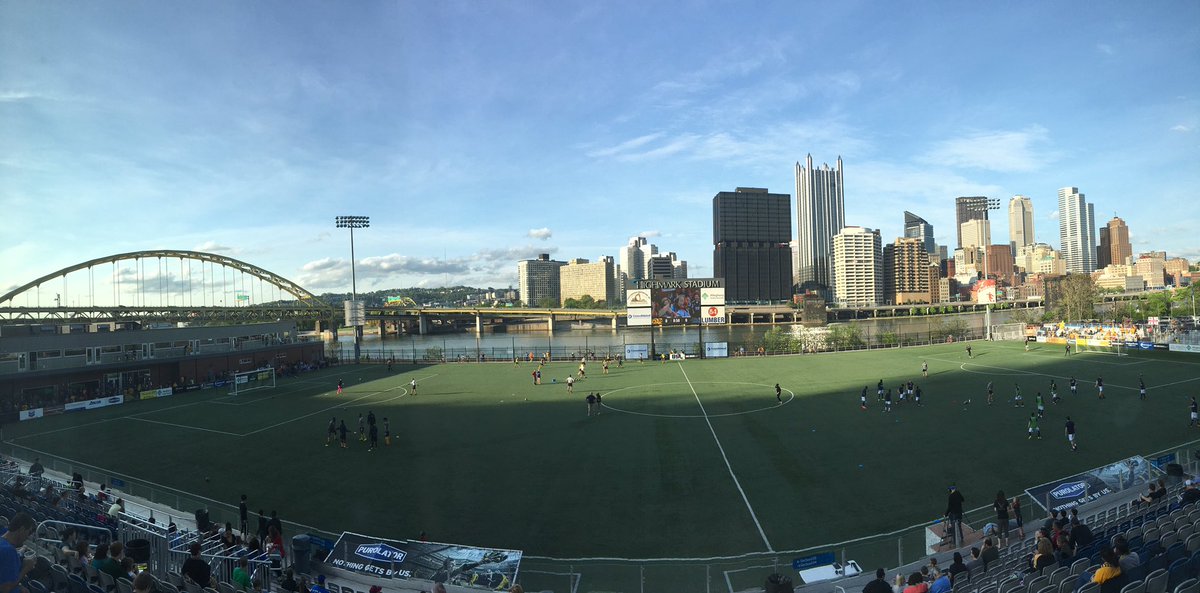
(464, 566)
(92, 404)
(637, 351)
(716, 349)
(712, 314)
(1087, 487)
(31, 414)
(1184, 347)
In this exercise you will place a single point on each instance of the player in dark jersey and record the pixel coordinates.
(1054, 392)
(1195, 414)
(1071, 434)
(991, 393)
(862, 399)
(1100, 387)
(1074, 386)
(1141, 388)
(342, 433)
(329, 436)
(373, 433)
(887, 401)
(879, 390)
(387, 432)
(778, 393)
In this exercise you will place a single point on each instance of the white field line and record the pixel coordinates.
(334, 407)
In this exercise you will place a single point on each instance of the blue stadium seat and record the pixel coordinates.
(1178, 573)
(77, 584)
(35, 586)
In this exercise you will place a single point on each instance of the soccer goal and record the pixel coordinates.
(1114, 349)
(251, 380)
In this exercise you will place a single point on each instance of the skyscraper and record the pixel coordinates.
(539, 281)
(969, 208)
(820, 214)
(858, 267)
(906, 272)
(751, 232)
(1077, 231)
(975, 233)
(915, 226)
(1020, 223)
(579, 278)
(1114, 244)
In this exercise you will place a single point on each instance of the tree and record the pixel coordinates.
(547, 303)
(1078, 297)
(845, 336)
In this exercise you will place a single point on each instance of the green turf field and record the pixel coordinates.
(686, 459)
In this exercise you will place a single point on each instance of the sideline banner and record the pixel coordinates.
(31, 414)
(465, 566)
(92, 404)
(1087, 487)
(716, 349)
(637, 351)
(1184, 347)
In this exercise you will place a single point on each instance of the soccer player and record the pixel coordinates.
(879, 390)
(1033, 427)
(917, 397)
(1100, 387)
(342, 433)
(862, 399)
(389, 363)
(969, 354)
(412, 387)
(605, 366)
(1071, 434)
(990, 393)
(1195, 414)
(582, 372)
(1054, 392)
(362, 429)
(1018, 400)
(1141, 388)
(887, 401)
(374, 432)
(591, 402)
(387, 432)
(534, 376)
(370, 418)
(332, 430)
(570, 384)
(924, 369)
(1074, 386)
(1068, 351)
(778, 393)
(1041, 404)
(599, 402)
(340, 385)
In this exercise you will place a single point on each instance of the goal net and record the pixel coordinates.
(251, 380)
(1114, 349)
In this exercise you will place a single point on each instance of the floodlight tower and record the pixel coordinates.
(353, 310)
(991, 204)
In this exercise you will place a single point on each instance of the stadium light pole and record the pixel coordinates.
(991, 204)
(354, 222)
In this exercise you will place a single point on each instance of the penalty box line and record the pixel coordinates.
(728, 466)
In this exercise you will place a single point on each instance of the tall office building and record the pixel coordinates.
(820, 214)
(1020, 223)
(1114, 244)
(969, 208)
(915, 226)
(906, 272)
(1076, 231)
(581, 278)
(751, 231)
(857, 267)
(661, 267)
(633, 262)
(538, 280)
(976, 233)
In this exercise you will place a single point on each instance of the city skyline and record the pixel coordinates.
(469, 136)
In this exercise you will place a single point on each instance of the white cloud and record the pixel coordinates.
(1003, 150)
(1105, 49)
(542, 233)
(212, 247)
(1053, 215)
(1180, 128)
(626, 146)
(649, 234)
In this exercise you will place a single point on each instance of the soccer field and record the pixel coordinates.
(686, 459)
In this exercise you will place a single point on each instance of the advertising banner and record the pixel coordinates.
(1086, 487)
(148, 394)
(716, 349)
(985, 291)
(92, 404)
(463, 566)
(637, 298)
(712, 314)
(637, 351)
(638, 317)
(1184, 347)
(712, 296)
(31, 414)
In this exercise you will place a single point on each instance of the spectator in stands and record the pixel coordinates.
(1043, 556)
(118, 507)
(957, 566)
(990, 553)
(879, 585)
(1190, 493)
(916, 584)
(1110, 570)
(36, 470)
(1000, 505)
(1048, 524)
(83, 552)
(100, 557)
(102, 494)
(1081, 534)
(1128, 560)
(229, 541)
(954, 513)
(143, 582)
(241, 575)
(319, 587)
(975, 564)
(129, 567)
(262, 524)
(932, 571)
(275, 542)
(941, 584)
(274, 522)
(440, 588)
(196, 568)
(1153, 495)
(13, 567)
(112, 564)
(1020, 519)
(288, 582)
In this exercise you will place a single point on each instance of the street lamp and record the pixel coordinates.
(354, 313)
(990, 204)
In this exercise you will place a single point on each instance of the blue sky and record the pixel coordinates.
(476, 134)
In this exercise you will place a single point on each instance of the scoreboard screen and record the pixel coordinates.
(676, 306)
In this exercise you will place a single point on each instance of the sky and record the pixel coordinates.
(476, 134)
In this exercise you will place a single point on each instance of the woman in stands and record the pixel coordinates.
(916, 584)
(1000, 505)
(1016, 513)
(1110, 570)
(1043, 557)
